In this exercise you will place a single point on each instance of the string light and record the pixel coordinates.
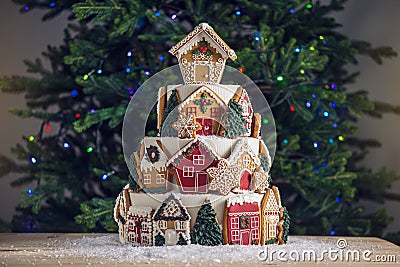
(316, 170)
(333, 86)
(89, 149)
(47, 128)
(257, 38)
(285, 141)
(77, 115)
(161, 58)
(173, 17)
(326, 114)
(337, 199)
(341, 138)
(29, 191)
(85, 77)
(265, 121)
(33, 160)
(129, 54)
(297, 50)
(292, 109)
(314, 96)
(321, 37)
(292, 11)
(66, 145)
(241, 69)
(31, 138)
(309, 6)
(128, 70)
(74, 93)
(323, 164)
(238, 13)
(92, 110)
(279, 78)
(312, 48)
(157, 13)
(331, 140)
(52, 4)
(302, 71)
(147, 73)
(104, 177)
(99, 71)
(315, 144)
(334, 125)
(26, 8)
(333, 104)
(308, 104)
(333, 232)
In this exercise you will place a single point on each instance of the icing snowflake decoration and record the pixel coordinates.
(186, 126)
(223, 177)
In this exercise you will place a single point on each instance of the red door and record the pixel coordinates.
(245, 180)
(201, 182)
(206, 126)
(245, 237)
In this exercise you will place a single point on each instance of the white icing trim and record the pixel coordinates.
(202, 89)
(146, 165)
(140, 210)
(244, 198)
(244, 145)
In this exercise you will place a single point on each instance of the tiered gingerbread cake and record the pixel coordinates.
(207, 159)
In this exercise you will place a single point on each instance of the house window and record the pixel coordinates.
(162, 224)
(180, 225)
(272, 231)
(245, 108)
(160, 178)
(188, 171)
(131, 225)
(246, 160)
(255, 222)
(146, 239)
(191, 110)
(235, 223)
(198, 159)
(235, 235)
(147, 178)
(254, 234)
(215, 112)
(132, 237)
(145, 227)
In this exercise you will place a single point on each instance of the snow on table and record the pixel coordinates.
(105, 250)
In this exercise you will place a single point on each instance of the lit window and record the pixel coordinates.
(215, 112)
(235, 223)
(246, 160)
(160, 178)
(254, 234)
(188, 171)
(191, 110)
(254, 222)
(235, 235)
(147, 178)
(180, 225)
(198, 159)
(162, 224)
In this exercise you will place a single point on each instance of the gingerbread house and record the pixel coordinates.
(152, 171)
(271, 210)
(202, 55)
(139, 226)
(189, 165)
(171, 223)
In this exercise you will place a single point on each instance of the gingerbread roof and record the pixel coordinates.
(171, 209)
(195, 36)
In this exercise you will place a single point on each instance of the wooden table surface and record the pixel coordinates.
(50, 250)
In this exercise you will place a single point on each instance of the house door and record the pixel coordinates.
(202, 73)
(170, 237)
(201, 182)
(245, 180)
(245, 237)
(206, 126)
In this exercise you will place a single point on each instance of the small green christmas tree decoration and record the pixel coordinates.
(206, 230)
(170, 115)
(182, 241)
(159, 240)
(286, 224)
(234, 121)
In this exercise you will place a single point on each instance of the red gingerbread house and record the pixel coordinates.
(242, 220)
(139, 226)
(190, 164)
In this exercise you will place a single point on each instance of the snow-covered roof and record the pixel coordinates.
(146, 164)
(249, 197)
(246, 144)
(201, 89)
(191, 142)
(140, 210)
(171, 198)
(203, 30)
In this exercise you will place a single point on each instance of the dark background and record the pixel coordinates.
(26, 36)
